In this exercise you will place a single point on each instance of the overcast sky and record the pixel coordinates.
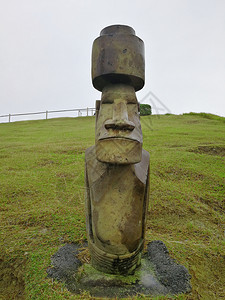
(45, 52)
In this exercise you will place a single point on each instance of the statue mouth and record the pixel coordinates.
(117, 138)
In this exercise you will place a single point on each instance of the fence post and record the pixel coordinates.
(46, 115)
(9, 118)
(87, 111)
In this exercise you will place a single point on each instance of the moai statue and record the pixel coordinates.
(117, 168)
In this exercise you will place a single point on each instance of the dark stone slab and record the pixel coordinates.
(158, 275)
(173, 276)
(65, 262)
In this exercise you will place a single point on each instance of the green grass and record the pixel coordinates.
(42, 199)
(207, 116)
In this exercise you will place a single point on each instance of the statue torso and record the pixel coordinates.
(117, 199)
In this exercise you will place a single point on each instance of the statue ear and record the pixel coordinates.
(97, 107)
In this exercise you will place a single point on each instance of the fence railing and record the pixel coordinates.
(86, 111)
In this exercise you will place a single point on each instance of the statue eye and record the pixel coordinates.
(107, 101)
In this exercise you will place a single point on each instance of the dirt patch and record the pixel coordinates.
(213, 203)
(46, 162)
(65, 175)
(192, 122)
(12, 284)
(71, 151)
(210, 150)
(176, 173)
(4, 156)
(27, 220)
(176, 146)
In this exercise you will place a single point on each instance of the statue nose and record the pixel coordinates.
(120, 119)
(119, 124)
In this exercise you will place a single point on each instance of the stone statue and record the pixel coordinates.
(117, 168)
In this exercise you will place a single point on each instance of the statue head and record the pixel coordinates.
(118, 129)
(118, 71)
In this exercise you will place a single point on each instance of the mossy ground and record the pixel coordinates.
(42, 199)
(106, 285)
(87, 269)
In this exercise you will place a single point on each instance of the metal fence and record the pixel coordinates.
(80, 112)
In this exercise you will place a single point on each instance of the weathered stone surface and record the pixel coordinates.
(118, 57)
(116, 211)
(118, 136)
(117, 169)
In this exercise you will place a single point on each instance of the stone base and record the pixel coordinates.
(157, 275)
(115, 264)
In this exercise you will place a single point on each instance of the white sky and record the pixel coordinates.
(45, 52)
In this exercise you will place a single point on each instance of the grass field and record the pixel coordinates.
(42, 199)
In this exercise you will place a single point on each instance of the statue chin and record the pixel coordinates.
(119, 151)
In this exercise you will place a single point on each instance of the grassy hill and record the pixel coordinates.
(42, 199)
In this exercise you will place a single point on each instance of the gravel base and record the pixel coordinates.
(158, 275)
(173, 276)
(65, 263)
